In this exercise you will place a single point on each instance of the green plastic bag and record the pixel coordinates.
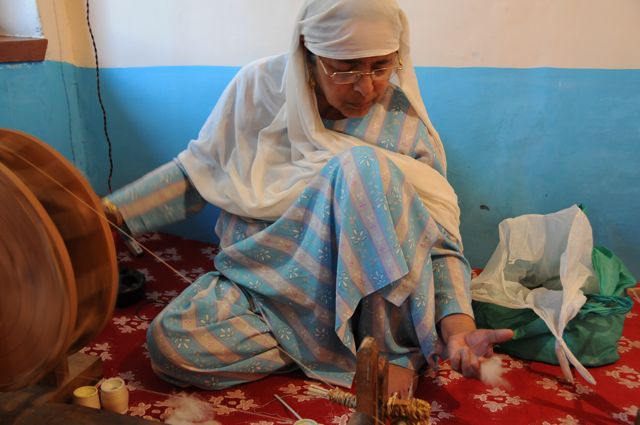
(592, 335)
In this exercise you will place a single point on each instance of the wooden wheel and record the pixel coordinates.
(86, 240)
(36, 277)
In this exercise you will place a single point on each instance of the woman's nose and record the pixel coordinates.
(364, 85)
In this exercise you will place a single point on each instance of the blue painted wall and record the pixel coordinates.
(41, 99)
(518, 140)
(523, 141)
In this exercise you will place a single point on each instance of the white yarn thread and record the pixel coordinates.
(491, 371)
(189, 410)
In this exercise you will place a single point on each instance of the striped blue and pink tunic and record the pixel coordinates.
(356, 255)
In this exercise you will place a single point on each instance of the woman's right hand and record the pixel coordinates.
(112, 213)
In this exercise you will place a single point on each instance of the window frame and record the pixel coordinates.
(22, 49)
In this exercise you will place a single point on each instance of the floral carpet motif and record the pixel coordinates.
(537, 394)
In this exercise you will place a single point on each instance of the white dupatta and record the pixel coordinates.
(265, 141)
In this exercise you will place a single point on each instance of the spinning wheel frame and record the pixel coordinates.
(76, 249)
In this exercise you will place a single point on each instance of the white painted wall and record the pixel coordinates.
(19, 18)
(451, 33)
(526, 33)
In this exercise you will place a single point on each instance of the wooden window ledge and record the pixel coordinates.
(22, 49)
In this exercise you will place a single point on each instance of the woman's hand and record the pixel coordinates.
(468, 349)
(466, 346)
(112, 213)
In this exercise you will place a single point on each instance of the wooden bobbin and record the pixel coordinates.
(58, 271)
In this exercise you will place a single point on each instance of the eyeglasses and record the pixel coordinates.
(350, 77)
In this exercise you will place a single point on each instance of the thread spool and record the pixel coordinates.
(87, 396)
(114, 395)
(130, 287)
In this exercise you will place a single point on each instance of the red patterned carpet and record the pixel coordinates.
(538, 395)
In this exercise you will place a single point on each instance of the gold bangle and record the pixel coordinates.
(113, 210)
(110, 206)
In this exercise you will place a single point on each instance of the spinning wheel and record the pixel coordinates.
(58, 272)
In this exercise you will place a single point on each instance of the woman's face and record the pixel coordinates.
(337, 101)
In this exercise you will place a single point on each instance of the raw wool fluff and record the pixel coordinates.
(189, 410)
(491, 371)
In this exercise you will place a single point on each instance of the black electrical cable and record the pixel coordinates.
(104, 112)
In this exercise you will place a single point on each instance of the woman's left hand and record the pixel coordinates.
(466, 350)
(466, 346)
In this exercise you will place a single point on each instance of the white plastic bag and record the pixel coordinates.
(543, 262)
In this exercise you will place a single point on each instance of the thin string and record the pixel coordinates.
(235, 410)
(186, 396)
(289, 408)
(158, 258)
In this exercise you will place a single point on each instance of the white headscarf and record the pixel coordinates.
(264, 140)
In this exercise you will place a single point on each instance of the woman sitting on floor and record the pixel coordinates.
(337, 219)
